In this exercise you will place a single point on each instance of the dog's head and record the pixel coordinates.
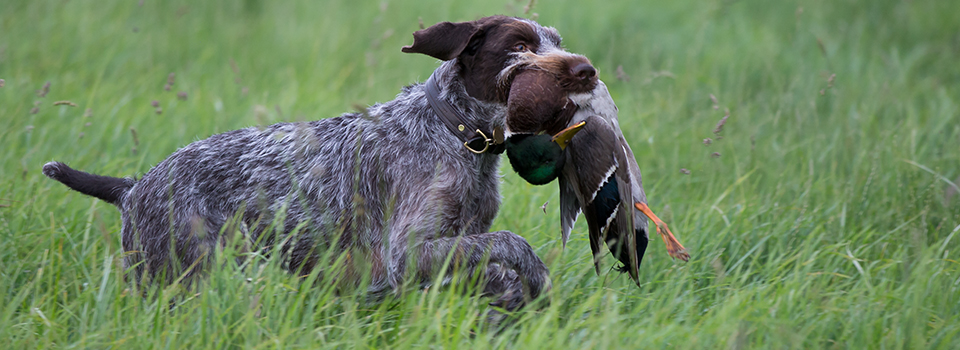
(491, 51)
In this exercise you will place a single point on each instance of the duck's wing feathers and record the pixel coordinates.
(637, 232)
(620, 236)
(569, 204)
(591, 172)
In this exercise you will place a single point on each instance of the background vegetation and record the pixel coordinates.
(826, 216)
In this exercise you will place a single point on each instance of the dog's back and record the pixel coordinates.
(335, 177)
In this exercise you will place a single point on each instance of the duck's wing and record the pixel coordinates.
(623, 239)
(590, 170)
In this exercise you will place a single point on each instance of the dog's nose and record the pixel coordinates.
(584, 71)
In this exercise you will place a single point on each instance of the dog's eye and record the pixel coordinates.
(520, 47)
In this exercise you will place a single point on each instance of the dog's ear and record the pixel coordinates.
(445, 40)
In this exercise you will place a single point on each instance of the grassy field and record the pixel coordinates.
(827, 218)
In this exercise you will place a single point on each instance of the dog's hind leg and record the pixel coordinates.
(502, 248)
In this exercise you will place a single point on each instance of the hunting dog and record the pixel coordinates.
(398, 189)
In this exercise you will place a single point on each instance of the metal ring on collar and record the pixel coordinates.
(486, 143)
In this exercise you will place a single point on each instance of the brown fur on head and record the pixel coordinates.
(479, 47)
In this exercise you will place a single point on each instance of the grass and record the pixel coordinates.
(827, 221)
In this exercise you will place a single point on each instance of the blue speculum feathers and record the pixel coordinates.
(606, 200)
(605, 206)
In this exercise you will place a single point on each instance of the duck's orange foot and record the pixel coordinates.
(674, 248)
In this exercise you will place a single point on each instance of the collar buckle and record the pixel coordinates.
(482, 138)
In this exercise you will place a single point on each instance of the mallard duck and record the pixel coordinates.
(598, 174)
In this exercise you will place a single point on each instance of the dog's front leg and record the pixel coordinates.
(470, 252)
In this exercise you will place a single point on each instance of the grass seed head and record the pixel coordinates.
(684, 171)
(715, 154)
(716, 104)
(182, 96)
(136, 141)
(526, 9)
(155, 103)
(2, 83)
(171, 78)
(723, 121)
(707, 141)
(44, 90)
(829, 84)
(34, 110)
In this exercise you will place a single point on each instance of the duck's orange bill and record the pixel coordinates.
(674, 248)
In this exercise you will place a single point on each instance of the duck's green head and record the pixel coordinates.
(538, 158)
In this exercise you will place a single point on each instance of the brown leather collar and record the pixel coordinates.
(476, 139)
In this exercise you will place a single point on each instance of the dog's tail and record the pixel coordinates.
(109, 189)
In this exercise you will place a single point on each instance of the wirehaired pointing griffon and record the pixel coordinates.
(398, 189)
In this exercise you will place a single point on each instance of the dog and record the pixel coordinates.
(398, 189)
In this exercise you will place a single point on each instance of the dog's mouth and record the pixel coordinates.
(572, 73)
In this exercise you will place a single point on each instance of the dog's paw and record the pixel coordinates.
(537, 282)
(510, 300)
(541, 299)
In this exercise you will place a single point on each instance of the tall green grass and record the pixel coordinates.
(827, 221)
